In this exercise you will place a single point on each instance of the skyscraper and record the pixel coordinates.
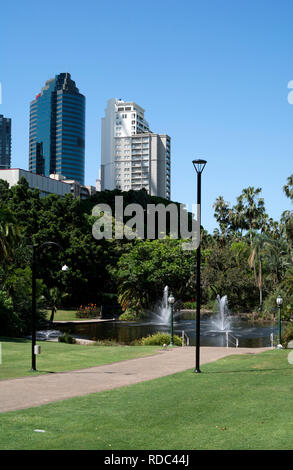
(132, 156)
(57, 130)
(5, 142)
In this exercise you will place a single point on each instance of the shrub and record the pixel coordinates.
(287, 335)
(128, 316)
(189, 305)
(132, 314)
(66, 338)
(159, 339)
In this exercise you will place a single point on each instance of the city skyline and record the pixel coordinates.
(215, 78)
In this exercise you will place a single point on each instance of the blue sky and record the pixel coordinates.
(212, 74)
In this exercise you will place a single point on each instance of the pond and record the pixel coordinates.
(248, 334)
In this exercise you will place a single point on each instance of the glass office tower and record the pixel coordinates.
(5, 142)
(57, 130)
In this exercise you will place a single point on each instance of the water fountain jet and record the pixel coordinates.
(222, 318)
(162, 314)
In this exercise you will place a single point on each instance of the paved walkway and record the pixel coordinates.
(30, 391)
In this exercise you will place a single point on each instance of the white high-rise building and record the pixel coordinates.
(133, 157)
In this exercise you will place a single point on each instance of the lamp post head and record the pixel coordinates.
(199, 165)
(171, 298)
(279, 300)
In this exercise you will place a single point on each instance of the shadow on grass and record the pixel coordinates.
(240, 371)
(5, 339)
(41, 371)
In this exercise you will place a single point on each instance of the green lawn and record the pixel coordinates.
(240, 402)
(65, 315)
(57, 357)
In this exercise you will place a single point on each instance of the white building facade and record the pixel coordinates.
(133, 157)
(45, 184)
(55, 184)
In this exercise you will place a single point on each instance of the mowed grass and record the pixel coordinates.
(65, 315)
(240, 402)
(58, 357)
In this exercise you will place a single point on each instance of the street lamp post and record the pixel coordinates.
(279, 301)
(199, 167)
(171, 301)
(34, 296)
(34, 305)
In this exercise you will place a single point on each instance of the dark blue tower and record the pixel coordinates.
(57, 130)
(5, 142)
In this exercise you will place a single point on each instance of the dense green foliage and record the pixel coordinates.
(249, 257)
(287, 335)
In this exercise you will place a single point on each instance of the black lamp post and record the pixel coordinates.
(199, 167)
(34, 295)
(171, 301)
(279, 301)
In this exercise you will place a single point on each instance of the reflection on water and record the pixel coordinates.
(249, 335)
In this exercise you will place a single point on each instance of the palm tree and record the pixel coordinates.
(288, 188)
(262, 246)
(130, 298)
(250, 210)
(222, 211)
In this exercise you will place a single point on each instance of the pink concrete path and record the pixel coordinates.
(30, 391)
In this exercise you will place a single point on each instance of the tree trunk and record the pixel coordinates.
(260, 283)
(53, 310)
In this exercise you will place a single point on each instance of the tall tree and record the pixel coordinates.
(222, 214)
(149, 266)
(249, 212)
(262, 246)
(288, 188)
(287, 215)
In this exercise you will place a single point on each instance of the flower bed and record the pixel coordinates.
(88, 311)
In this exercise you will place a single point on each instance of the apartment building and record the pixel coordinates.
(132, 156)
